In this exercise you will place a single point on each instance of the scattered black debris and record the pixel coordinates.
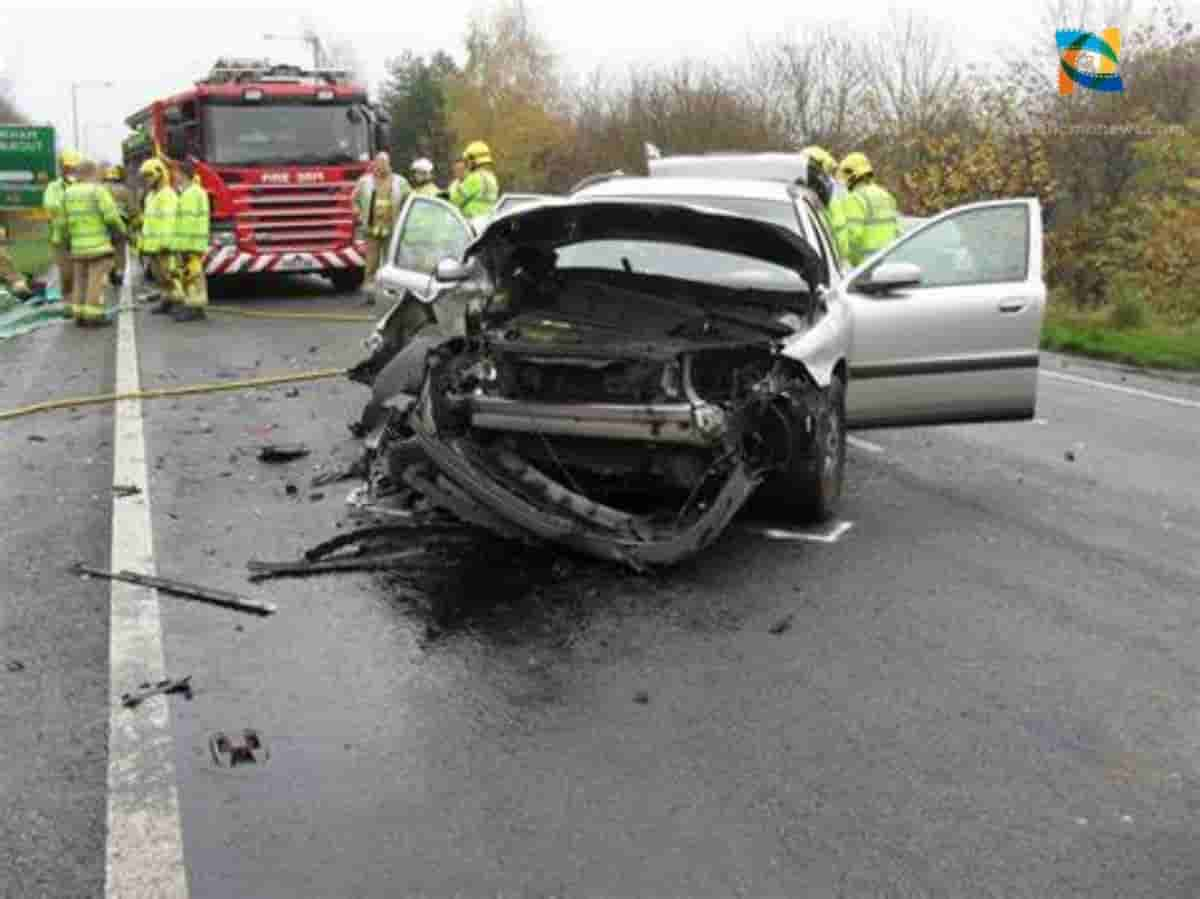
(783, 625)
(123, 490)
(239, 628)
(292, 393)
(163, 687)
(233, 458)
(315, 497)
(225, 474)
(276, 453)
(354, 472)
(291, 490)
(1069, 455)
(36, 438)
(182, 589)
(15, 666)
(260, 571)
(231, 752)
(314, 349)
(641, 697)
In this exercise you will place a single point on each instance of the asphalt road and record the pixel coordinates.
(984, 687)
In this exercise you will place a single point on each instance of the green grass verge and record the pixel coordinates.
(30, 256)
(1149, 348)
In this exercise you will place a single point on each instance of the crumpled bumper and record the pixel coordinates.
(502, 493)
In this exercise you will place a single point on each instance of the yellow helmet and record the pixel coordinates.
(70, 159)
(478, 153)
(823, 157)
(115, 173)
(152, 170)
(854, 166)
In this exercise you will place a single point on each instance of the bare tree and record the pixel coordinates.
(915, 76)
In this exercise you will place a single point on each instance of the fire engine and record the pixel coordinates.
(279, 149)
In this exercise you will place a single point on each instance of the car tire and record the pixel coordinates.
(347, 280)
(810, 488)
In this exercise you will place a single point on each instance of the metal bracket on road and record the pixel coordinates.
(163, 687)
(183, 589)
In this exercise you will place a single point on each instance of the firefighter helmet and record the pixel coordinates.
(423, 166)
(855, 166)
(153, 170)
(70, 159)
(823, 158)
(478, 153)
(115, 173)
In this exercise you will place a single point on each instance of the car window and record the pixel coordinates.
(824, 241)
(977, 246)
(678, 261)
(777, 212)
(431, 233)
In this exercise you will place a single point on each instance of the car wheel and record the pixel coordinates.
(347, 279)
(810, 488)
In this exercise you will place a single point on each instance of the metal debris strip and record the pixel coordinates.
(367, 549)
(163, 687)
(278, 453)
(193, 592)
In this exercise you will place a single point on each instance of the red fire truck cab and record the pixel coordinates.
(279, 149)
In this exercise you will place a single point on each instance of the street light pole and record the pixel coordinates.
(75, 86)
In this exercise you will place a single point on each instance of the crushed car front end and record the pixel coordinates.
(628, 381)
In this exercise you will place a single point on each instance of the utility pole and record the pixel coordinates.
(75, 86)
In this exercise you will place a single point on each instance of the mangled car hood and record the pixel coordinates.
(552, 225)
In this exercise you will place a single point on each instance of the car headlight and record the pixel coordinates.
(709, 420)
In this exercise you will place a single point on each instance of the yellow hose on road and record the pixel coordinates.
(155, 393)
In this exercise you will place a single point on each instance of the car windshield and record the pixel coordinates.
(281, 135)
(678, 261)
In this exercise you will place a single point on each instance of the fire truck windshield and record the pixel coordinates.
(282, 135)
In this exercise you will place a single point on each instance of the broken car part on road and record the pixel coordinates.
(163, 687)
(182, 589)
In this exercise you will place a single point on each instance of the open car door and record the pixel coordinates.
(947, 320)
(427, 231)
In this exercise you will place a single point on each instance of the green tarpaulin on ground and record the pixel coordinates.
(18, 318)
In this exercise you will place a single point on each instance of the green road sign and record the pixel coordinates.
(26, 165)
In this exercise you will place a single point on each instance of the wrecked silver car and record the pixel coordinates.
(619, 376)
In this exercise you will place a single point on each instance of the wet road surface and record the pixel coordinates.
(986, 686)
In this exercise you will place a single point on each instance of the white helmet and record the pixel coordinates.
(422, 165)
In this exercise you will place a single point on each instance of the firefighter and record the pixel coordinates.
(872, 221)
(422, 172)
(114, 181)
(454, 191)
(158, 230)
(376, 210)
(52, 202)
(480, 190)
(91, 217)
(11, 278)
(834, 211)
(191, 244)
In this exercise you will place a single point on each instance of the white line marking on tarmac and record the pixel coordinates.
(1132, 391)
(145, 841)
(831, 535)
(859, 443)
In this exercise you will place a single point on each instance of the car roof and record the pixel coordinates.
(671, 186)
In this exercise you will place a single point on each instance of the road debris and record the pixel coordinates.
(1069, 455)
(641, 697)
(230, 752)
(163, 687)
(182, 589)
(315, 497)
(278, 453)
(15, 667)
(292, 393)
(123, 490)
(783, 625)
(36, 438)
(291, 490)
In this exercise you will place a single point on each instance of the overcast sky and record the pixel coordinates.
(149, 53)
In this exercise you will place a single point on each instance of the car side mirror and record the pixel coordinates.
(451, 271)
(891, 276)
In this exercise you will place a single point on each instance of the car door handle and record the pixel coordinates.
(1011, 306)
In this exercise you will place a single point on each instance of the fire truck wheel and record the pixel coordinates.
(346, 280)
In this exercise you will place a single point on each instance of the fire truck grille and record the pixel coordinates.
(294, 217)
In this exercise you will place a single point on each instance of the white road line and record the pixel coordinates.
(831, 535)
(1132, 391)
(145, 841)
(859, 443)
